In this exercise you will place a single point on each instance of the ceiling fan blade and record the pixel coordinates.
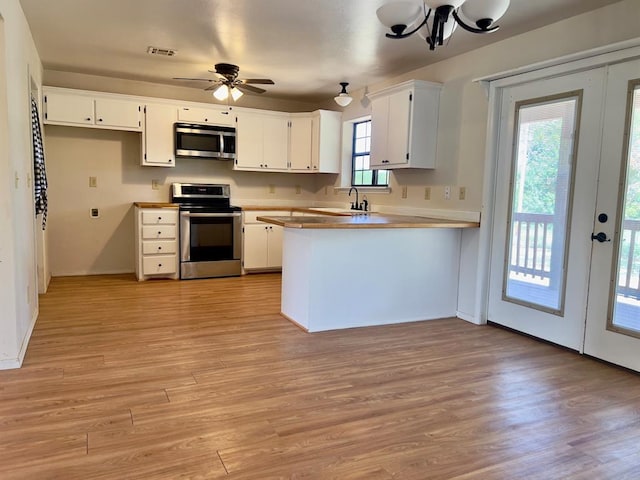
(249, 89)
(263, 81)
(195, 79)
(213, 87)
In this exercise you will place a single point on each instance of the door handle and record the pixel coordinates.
(600, 236)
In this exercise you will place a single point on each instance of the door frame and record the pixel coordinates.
(494, 86)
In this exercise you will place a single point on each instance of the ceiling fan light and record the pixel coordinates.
(398, 13)
(236, 94)
(478, 10)
(221, 93)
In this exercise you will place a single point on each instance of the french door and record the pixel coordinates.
(613, 313)
(565, 257)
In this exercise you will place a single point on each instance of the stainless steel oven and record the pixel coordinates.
(210, 231)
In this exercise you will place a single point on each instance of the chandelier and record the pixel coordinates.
(436, 20)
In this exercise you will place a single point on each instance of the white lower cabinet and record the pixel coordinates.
(156, 243)
(262, 242)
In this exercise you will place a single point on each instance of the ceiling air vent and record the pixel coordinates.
(165, 52)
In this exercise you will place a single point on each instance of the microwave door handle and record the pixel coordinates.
(221, 143)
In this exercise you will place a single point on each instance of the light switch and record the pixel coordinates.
(155, 184)
(427, 193)
(272, 188)
(447, 193)
(298, 190)
(404, 191)
(462, 194)
(93, 182)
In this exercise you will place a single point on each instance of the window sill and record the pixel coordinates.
(386, 190)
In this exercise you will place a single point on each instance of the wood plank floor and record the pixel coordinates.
(204, 379)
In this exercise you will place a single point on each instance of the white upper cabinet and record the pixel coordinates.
(158, 137)
(404, 125)
(325, 141)
(78, 108)
(214, 115)
(300, 142)
(262, 141)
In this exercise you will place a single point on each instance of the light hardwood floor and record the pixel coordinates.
(204, 379)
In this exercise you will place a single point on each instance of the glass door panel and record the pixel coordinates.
(624, 311)
(539, 216)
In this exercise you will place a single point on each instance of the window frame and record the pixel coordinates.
(354, 155)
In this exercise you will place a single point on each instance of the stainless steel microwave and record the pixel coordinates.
(205, 141)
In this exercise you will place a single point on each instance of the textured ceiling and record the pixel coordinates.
(305, 46)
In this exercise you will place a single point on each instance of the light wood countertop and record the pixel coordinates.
(155, 205)
(370, 220)
(313, 210)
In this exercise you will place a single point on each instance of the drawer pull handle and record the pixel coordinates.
(159, 248)
(159, 233)
(159, 264)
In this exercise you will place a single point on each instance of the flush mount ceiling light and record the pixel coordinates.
(445, 16)
(343, 99)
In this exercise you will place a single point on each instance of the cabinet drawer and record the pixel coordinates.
(153, 232)
(153, 247)
(252, 215)
(158, 264)
(159, 218)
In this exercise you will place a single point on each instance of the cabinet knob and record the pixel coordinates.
(308, 166)
(315, 167)
(88, 119)
(159, 264)
(99, 119)
(159, 233)
(159, 218)
(265, 165)
(170, 160)
(159, 248)
(206, 119)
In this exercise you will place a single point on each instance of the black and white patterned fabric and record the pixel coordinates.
(40, 173)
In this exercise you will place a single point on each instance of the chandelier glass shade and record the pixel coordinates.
(436, 20)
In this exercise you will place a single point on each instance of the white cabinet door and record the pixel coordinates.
(274, 246)
(255, 253)
(276, 139)
(300, 143)
(159, 136)
(214, 115)
(68, 108)
(325, 141)
(249, 141)
(398, 128)
(262, 141)
(118, 113)
(379, 132)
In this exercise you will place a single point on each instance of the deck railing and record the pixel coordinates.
(532, 247)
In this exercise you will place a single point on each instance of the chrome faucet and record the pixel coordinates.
(356, 205)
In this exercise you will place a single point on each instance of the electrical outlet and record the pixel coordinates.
(462, 193)
(427, 193)
(298, 190)
(94, 213)
(155, 184)
(93, 182)
(272, 188)
(404, 191)
(447, 193)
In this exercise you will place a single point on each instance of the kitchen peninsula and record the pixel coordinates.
(368, 269)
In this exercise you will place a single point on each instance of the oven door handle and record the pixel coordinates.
(209, 215)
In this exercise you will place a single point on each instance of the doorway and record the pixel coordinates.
(565, 252)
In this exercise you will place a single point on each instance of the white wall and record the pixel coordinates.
(20, 65)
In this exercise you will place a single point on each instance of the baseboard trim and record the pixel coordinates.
(467, 317)
(17, 362)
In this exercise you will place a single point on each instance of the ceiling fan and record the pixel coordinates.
(228, 82)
